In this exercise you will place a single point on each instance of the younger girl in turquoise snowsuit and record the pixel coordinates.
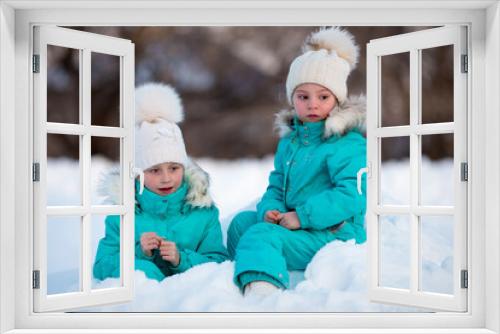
(176, 223)
(313, 195)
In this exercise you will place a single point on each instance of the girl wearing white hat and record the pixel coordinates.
(176, 223)
(312, 197)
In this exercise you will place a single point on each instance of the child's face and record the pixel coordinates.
(165, 178)
(313, 102)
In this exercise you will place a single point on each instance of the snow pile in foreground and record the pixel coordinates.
(335, 281)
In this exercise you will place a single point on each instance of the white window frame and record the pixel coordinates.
(16, 213)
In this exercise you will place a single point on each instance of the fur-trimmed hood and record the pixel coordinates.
(197, 179)
(347, 116)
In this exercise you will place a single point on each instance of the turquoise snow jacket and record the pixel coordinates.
(316, 167)
(186, 217)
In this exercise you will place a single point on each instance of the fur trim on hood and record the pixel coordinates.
(343, 118)
(197, 179)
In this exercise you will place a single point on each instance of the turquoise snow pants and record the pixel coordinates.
(264, 251)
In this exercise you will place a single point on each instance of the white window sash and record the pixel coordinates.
(412, 43)
(86, 43)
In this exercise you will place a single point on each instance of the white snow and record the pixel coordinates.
(334, 281)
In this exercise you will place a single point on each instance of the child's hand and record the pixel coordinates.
(169, 252)
(149, 241)
(290, 220)
(272, 216)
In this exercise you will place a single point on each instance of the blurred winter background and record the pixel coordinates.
(231, 80)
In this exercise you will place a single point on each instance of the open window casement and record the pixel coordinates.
(53, 215)
(407, 218)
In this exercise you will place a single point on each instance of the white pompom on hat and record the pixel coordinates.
(330, 54)
(158, 138)
(154, 101)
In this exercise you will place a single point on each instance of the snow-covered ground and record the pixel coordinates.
(334, 281)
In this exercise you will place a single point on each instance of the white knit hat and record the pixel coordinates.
(330, 54)
(158, 138)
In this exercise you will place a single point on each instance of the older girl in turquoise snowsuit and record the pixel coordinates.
(176, 224)
(313, 196)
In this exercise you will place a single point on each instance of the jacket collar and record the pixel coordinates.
(348, 116)
(308, 133)
(161, 205)
(196, 181)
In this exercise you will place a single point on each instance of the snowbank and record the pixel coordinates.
(335, 280)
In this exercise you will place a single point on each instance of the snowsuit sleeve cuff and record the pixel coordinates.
(139, 254)
(305, 222)
(183, 263)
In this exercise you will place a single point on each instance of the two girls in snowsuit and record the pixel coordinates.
(312, 197)
(176, 223)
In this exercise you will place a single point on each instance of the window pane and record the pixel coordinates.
(63, 170)
(64, 235)
(437, 170)
(395, 89)
(105, 171)
(395, 171)
(107, 264)
(63, 85)
(394, 238)
(437, 254)
(105, 87)
(437, 84)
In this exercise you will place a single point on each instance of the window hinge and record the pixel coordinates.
(36, 279)
(464, 279)
(36, 63)
(465, 66)
(36, 172)
(464, 171)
